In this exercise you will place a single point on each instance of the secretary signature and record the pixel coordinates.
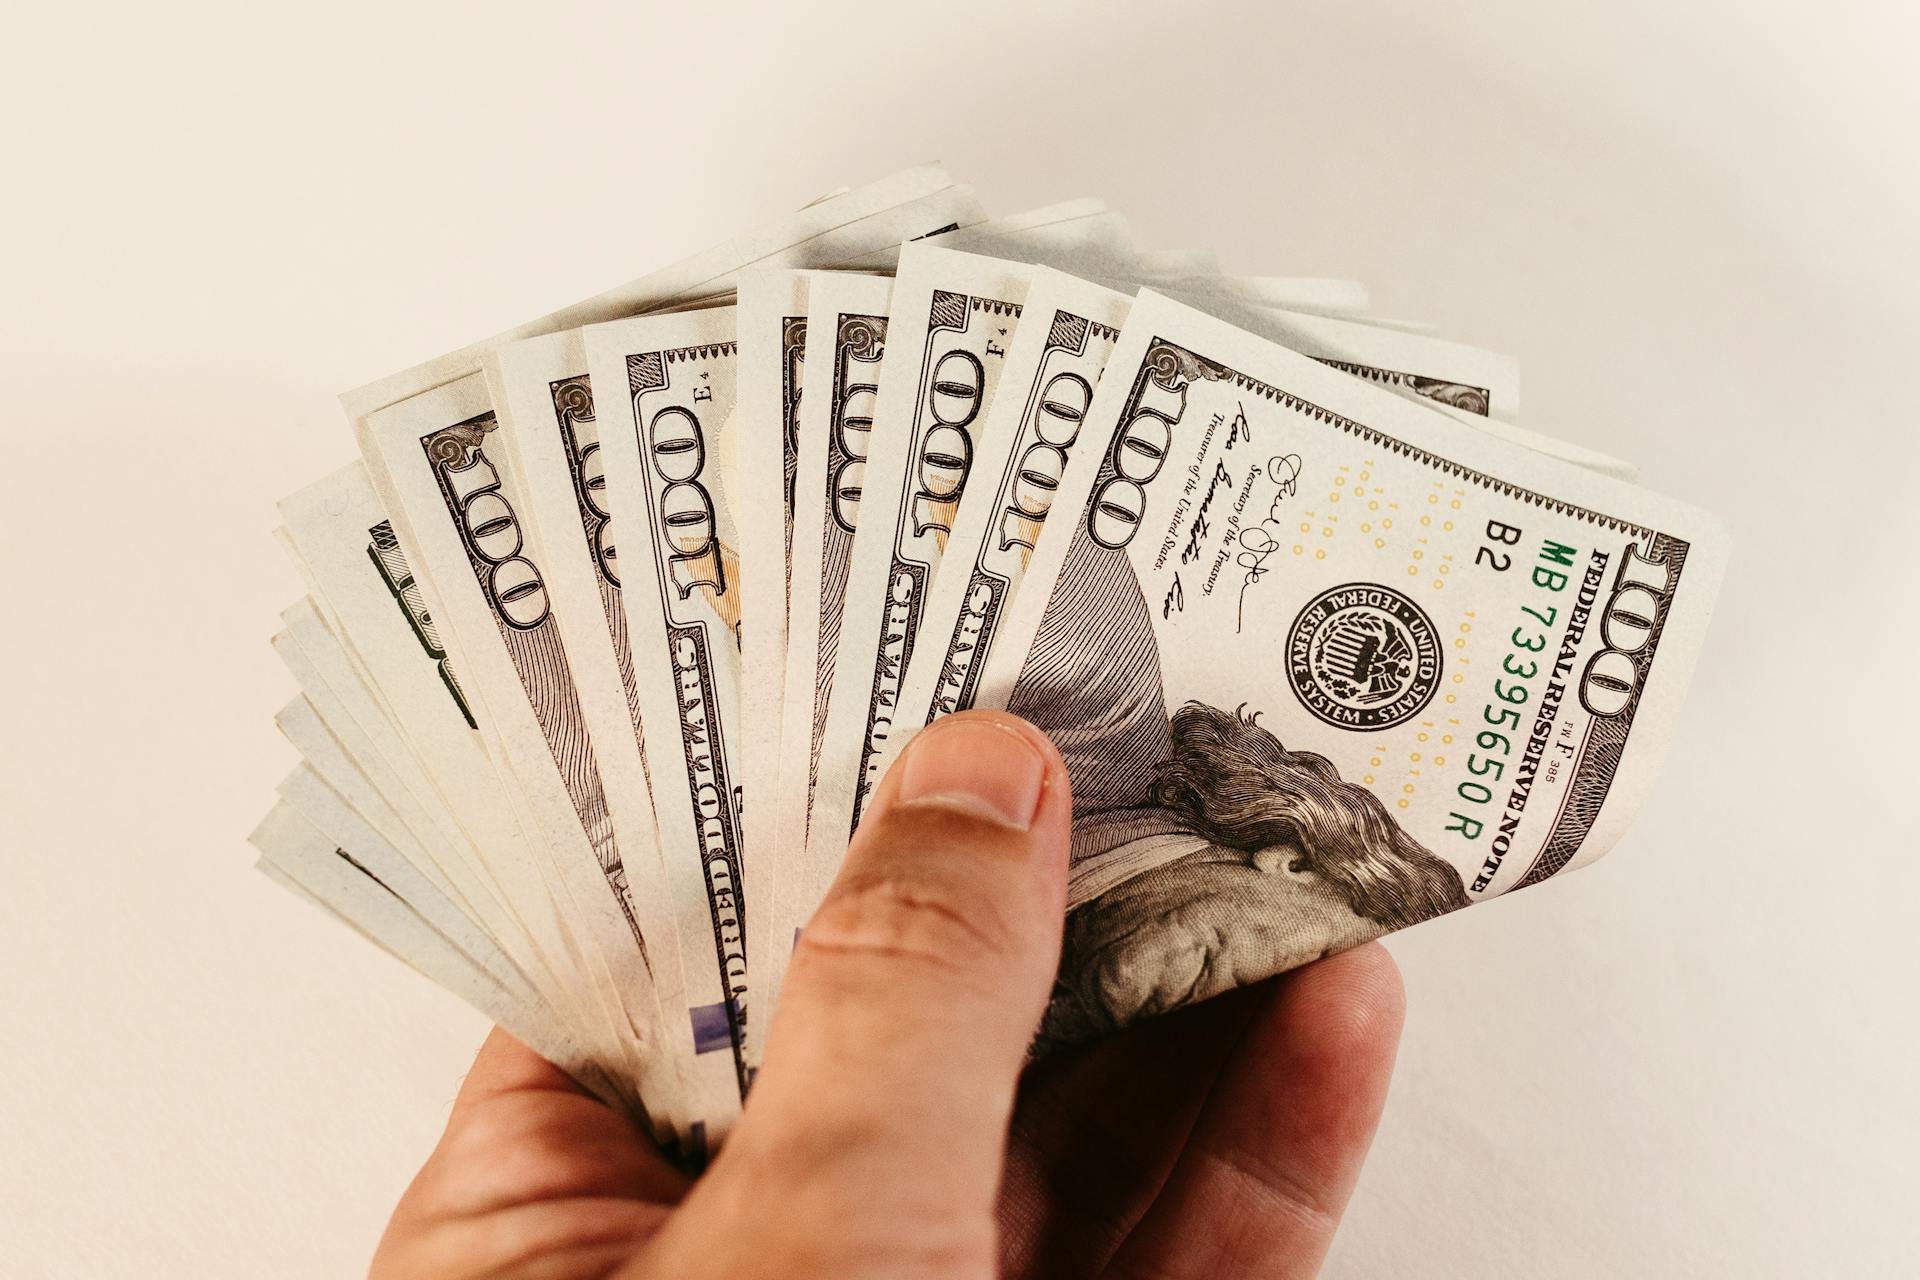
(1257, 542)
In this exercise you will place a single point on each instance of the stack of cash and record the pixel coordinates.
(620, 615)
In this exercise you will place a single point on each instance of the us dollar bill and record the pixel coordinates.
(546, 400)
(313, 791)
(846, 328)
(441, 457)
(665, 384)
(346, 880)
(887, 614)
(373, 603)
(322, 726)
(773, 346)
(1035, 421)
(954, 316)
(1324, 664)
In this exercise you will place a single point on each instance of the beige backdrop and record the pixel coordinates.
(1694, 224)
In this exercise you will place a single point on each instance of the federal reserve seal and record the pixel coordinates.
(1363, 657)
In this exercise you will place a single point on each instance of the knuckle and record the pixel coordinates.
(915, 919)
(520, 1141)
(492, 1124)
(1273, 1187)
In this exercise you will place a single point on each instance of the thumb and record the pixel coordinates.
(914, 992)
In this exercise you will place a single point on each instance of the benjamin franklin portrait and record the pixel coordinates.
(1206, 855)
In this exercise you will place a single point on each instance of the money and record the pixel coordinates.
(375, 609)
(667, 383)
(1323, 665)
(440, 456)
(547, 412)
(847, 318)
(954, 316)
(773, 343)
(622, 614)
(1030, 432)
(299, 855)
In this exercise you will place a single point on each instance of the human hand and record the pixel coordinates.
(890, 1132)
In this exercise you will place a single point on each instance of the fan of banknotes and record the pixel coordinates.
(619, 617)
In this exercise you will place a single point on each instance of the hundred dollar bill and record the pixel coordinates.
(954, 316)
(312, 791)
(889, 585)
(1324, 664)
(440, 456)
(773, 345)
(365, 589)
(664, 385)
(846, 325)
(328, 740)
(546, 403)
(301, 857)
(325, 673)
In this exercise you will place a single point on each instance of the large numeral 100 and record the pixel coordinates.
(1119, 504)
(591, 470)
(1058, 414)
(852, 431)
(1640, 592)
(492, 533)
(678, 452)
(953, 397)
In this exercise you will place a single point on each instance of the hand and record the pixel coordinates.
(890, 1132)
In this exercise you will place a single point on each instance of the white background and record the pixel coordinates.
(1694, 224)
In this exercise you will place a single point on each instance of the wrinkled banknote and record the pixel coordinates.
(772, 335)
(545, 400)
(665, 385)
(1324, 664)
(847, 318)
